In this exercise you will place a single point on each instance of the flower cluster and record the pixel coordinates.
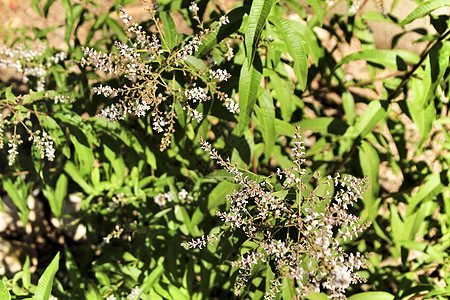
(162, 198)
(33, 66)
(44, 143)
(29, 62)
(354, 8)
(13, 144)
(115, 234)
(146, 61)
(297, 228)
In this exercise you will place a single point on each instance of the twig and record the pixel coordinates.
(416, 66)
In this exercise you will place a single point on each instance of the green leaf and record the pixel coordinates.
(265, 114)
(69, 20)
(348, 104)
(370, 166)
(170, 30)
(424, 9)
(423, 117)
(4, 293)
(26, 278)
(9, 94)
(45, 284)
(388, 58)
(429, 190)
(74, 174)
(309, 36)
(284, 128)
(283, 92)
(152, 278)
(182, 215)
(195, 62)
(73, 272)
(296, 48)
(319, 13)
(70, 117)
(177, 293)
(249, 82)
(19, 200)
(324, 125)
(445, 291)
(35, 6)
(83, 150)
(316, 296)
(217, 195)
(437, 63)
(47, 6)
(373, 114)
(398, 228)
(118, 30)
(60, 195)
(215, 37)
(259, 12)
(40, 33)
(372, 296)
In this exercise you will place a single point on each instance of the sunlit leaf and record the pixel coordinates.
(45, 284)
(170, 30)
(4, 293)
(249, 82)
(424, 9)
(372, 296)
(265, 114)
(296, 48)
(259, 12)
(373, 114)
(387, 58)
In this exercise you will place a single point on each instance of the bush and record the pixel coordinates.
(102, 159)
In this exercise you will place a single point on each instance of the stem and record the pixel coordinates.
(416, 66)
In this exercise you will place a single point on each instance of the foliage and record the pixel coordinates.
(243, 80)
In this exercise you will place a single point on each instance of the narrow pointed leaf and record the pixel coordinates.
(57, 200)
(370, 165)
(423, 10)
(259, 12)
(118, 30)
(437, 63)
(249, 82)
(45, 284)
(324, 125)
(195, 62)
(151, 279)
(373, 114)
(428, 191)
(18, 198)
(75, 175)
(266, 120)
(296, 48)
(170, 30)
(387, 58)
